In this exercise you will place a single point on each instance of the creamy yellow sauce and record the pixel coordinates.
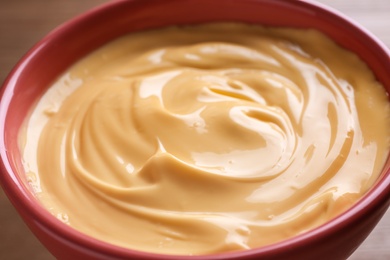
(206, 139)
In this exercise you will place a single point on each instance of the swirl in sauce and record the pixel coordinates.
(205, 139)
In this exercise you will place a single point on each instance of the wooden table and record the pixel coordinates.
(24, 22)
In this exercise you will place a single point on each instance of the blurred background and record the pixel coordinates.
(24, 22)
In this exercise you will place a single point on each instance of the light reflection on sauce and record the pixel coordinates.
(206, 139)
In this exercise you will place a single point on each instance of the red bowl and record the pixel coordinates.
(336, 239)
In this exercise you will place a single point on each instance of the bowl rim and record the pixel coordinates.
(18, 193)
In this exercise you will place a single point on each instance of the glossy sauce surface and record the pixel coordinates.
(205, 139)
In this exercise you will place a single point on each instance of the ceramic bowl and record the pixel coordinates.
(336, 239)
